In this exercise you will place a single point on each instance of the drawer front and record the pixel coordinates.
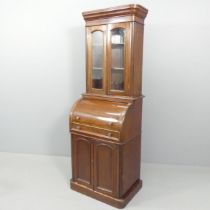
(114, 135)
(96, 121)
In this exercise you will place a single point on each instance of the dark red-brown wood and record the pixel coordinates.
(105, 124)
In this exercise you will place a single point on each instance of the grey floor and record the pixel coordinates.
(36, 182)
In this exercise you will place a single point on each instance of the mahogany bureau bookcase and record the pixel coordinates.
(105, 124)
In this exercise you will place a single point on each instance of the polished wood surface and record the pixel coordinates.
(105, 170)
(105, 123)
(97, 113)
(117, 121)
(125, 13)
(81, 151)
(133, 58)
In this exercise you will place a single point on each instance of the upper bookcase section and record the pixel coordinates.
(125, 13)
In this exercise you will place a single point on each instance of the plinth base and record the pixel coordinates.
(113, 201)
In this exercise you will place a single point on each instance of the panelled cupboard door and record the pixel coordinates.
(96, 59)
(82, 160)
(105, 169)
(118, 58)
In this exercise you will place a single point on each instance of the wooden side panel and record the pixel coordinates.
(82, 160)
(132, 122)
(105, 169)
(137, 57)
(130, 164)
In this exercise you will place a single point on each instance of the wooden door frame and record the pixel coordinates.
(127, 57)
(89, 56)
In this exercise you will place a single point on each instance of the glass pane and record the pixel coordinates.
(98, 55)
(117, 73)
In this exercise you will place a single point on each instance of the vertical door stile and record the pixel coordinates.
(73, 155)
(92, 164)
(108, 57)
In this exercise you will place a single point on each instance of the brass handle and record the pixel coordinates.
(109, 134)
(110, 123)
(77, 117)
(78, 127)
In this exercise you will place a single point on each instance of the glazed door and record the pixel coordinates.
(119, 56)
(82, 160)
(105, 169)
(96, 59)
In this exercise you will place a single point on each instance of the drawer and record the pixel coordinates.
(115, 135)
(93, 121)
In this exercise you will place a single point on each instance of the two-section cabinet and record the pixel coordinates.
(105, 123)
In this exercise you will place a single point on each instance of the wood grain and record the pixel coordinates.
(105, 124)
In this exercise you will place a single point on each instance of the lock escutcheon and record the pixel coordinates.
(78, 127)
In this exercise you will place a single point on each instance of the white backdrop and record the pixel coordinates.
(42, 72)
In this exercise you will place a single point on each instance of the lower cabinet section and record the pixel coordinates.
(106, 171)
(95, 164)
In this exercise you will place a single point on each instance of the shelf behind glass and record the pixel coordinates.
(117, 44)
(97, 77)
(118, 68)
(97, 45)
(117, 82)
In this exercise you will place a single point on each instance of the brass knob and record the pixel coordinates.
(78, 127)
(109, 134)
(77, 117)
